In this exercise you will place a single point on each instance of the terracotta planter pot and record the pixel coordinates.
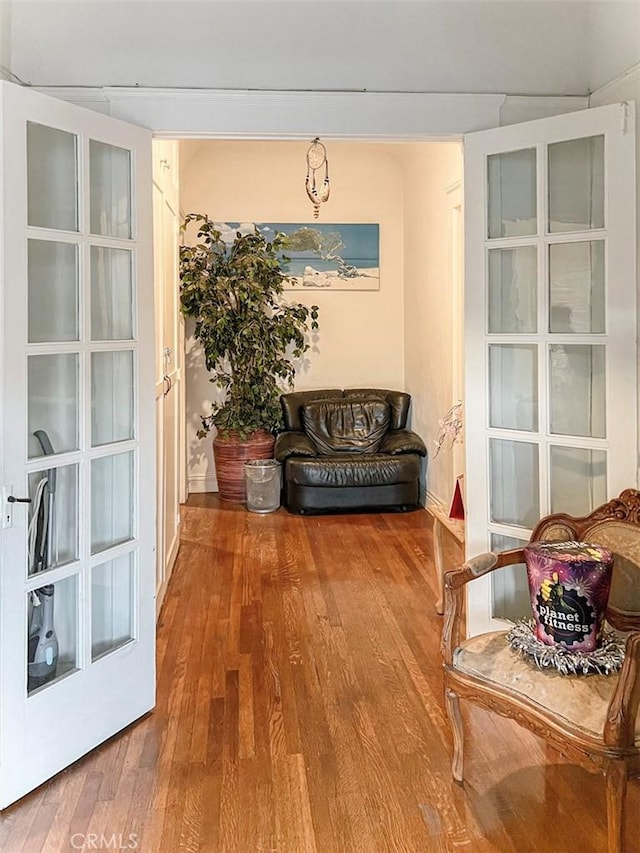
(230, 453)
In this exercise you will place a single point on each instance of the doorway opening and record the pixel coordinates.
(406, 334)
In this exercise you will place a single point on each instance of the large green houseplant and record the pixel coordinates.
(249, 337)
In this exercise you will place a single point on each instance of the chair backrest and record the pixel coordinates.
(347, 425)
(293, 402)
(616, 526)
(399, 402)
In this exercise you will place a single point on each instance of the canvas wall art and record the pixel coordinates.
(324, 256)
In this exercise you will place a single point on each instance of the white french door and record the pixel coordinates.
(77, 612)
(550, 332)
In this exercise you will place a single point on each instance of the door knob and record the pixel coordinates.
(14, 500)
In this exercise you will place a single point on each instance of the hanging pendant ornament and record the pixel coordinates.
(316, 159)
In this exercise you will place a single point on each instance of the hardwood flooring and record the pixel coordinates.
(300, 710)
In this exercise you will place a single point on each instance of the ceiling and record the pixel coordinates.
(527, 47)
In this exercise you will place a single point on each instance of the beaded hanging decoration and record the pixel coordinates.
(316, 159)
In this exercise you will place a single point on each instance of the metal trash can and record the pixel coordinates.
(262, 478)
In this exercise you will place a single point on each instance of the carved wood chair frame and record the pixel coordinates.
(616, 753)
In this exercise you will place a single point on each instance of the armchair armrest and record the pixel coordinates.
(398, 441)
(620, 725)
(454, 583)
(293, 443)
(483, 564)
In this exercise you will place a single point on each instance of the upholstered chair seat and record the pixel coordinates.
(577, 703)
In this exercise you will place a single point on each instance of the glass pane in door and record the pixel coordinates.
(578, 479)
(512, 193)
(52, 178)
(53, 291)
(110, 177)
(111, 397)
(111, 605)
(53, 401)
(53, 518)
(111, 294)
(513, 286)
(577, 390)
(514, 482)
(513, 386)
(576, 184)
(576, 288)
(509, 587)
(112, 495)
(52, 642)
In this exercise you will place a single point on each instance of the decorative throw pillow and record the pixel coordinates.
(346, 425)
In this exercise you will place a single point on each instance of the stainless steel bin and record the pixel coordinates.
(263, 479)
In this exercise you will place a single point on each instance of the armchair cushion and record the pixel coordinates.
(579, 702)
(353, 469)
(402, 441)
(346, 425)
(293, 402)
(398, 401)
(293, 443)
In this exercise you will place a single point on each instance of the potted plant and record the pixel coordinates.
(249, 337)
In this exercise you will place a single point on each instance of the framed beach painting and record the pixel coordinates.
(333, 256)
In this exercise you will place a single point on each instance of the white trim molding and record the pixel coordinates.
(434, 500)
(199, 483)
(262, 114)
(610, 91)
(252, 114)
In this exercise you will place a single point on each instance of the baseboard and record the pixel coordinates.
(202, 483)
(160, 594)
(433, 499)
(173, 553)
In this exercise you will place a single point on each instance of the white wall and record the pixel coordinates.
(614, 40)
(428, 305)
(361, 337)
(5, 39)
(510, 46)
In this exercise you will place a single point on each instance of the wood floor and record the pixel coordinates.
(300, 709)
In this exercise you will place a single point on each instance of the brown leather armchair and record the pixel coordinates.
(349, 450)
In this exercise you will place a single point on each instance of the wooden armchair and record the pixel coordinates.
(592, 720)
